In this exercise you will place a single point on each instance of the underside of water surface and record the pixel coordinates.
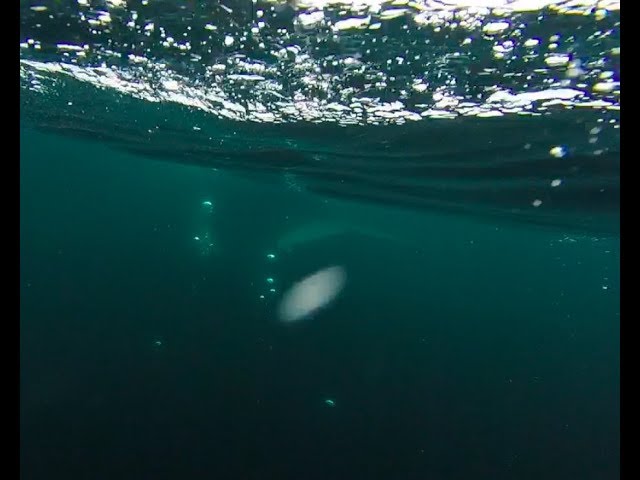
(501, 109)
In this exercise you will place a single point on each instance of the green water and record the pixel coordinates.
(468, 350)
(452, 170)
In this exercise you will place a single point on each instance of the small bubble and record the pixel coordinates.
(196, 238)
(604, 87)
(270, 280)
(495, 27)
(536, 202)
(558, 152)
(556, 183)
(270, 256)
(574, 72)
(556, 60)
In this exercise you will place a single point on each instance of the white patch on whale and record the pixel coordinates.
(311, 294)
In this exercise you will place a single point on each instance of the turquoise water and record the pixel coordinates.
(476, 334)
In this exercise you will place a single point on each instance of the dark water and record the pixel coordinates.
(485, 352)
(477, 336)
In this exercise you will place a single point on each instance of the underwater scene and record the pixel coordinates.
(319, 239)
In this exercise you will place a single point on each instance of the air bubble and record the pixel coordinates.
(558, 152)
